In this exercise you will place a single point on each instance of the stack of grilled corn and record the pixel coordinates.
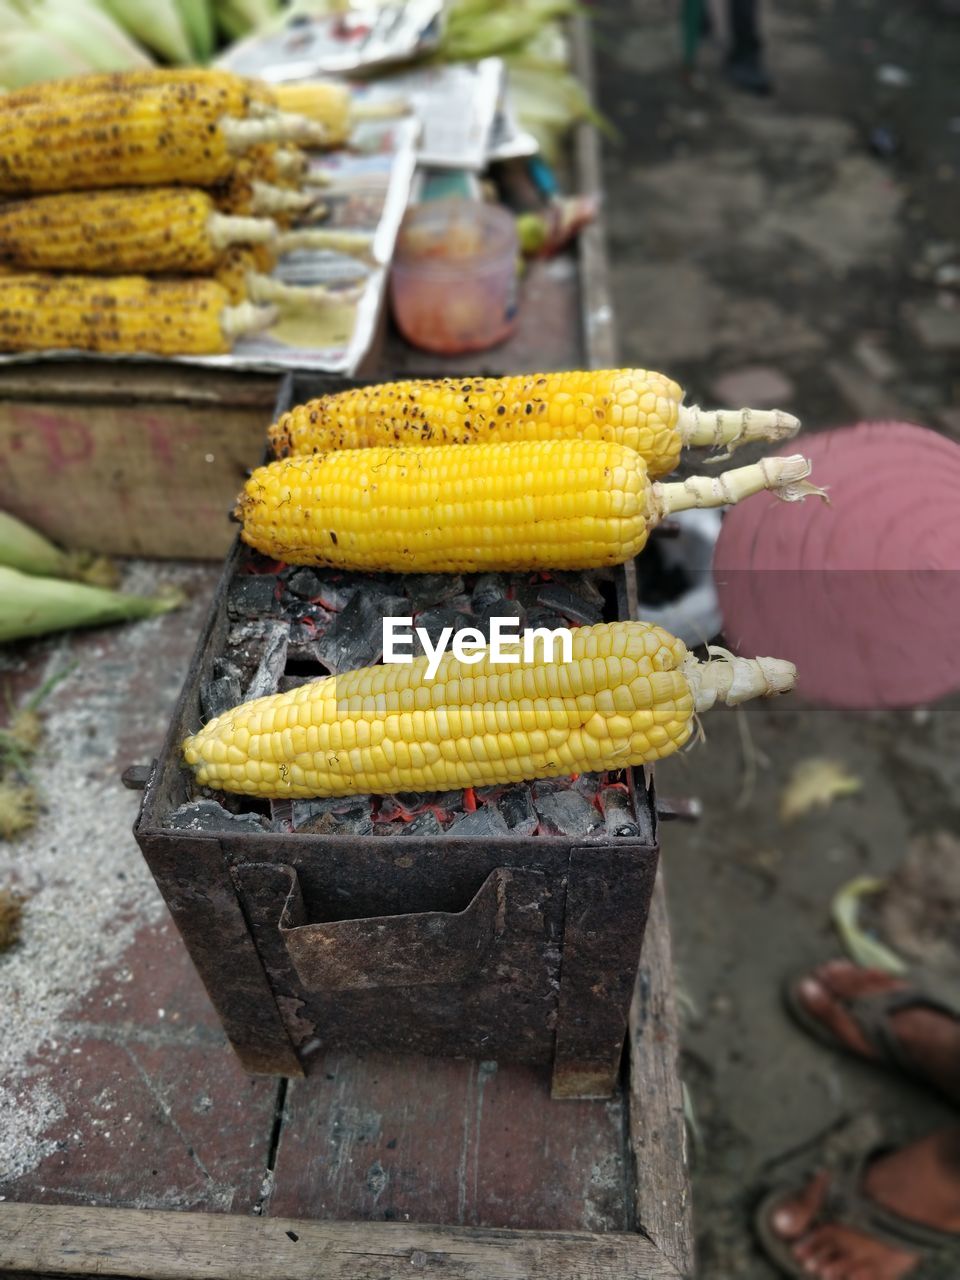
(143, 208)
(548, 471)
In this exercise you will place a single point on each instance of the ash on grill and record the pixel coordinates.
(290, 625)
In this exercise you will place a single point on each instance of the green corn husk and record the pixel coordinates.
(155, 23)
(198, 23)
(23, 548)
(91, 32)
(238, 18)
(480, 30)
(861, 946)
(36, 606)
(28, 55)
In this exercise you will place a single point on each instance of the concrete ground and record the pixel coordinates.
(802, 250)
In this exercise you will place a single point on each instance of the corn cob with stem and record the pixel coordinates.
(245, 274)
(334, 106)
(628, 696)
(133, 229)
(190, 316)
(628, 406)
(550, 504)
(154, 137)
(235, 95)
(244, 194)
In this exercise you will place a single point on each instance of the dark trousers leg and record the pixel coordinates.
(745, 39)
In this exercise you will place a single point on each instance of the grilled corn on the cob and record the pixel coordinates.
(129, 230)
(170, 134)
(333, 106)
(550, 504)
(629, 406)
(627, 696)
(234, 94)
(191, 316)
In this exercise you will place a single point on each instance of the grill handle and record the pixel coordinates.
(426, 948)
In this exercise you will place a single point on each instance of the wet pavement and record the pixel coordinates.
(801, 250)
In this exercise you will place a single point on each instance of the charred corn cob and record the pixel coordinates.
(628, 406)
(627, 696)
(550, 504)
(129, 230)
(234, 94)
(171, 134)
(121, 313)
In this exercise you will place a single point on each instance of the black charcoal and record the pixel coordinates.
(424, 824)
(434, 622)
(618, 816)
(573, 607)
(209, 815)
(565, 813)
(487, 588)
(218, 696)
(273, 659)
(305, 583)
(516, 809)
(254, 595)
(424, 590)
(353, 819)
(502, 608)
(485, 821)
(355, 637)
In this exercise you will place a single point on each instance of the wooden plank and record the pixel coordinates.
(143, 478)
(67, 1240)
(657, 1128)
(144, 382)
(445, 1140)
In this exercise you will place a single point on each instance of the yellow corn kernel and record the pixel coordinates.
(633, 407)
(233, 94)
(173, 229)
(323, 101)
(542, 504)
(253, 748)
(122, 314)
(169, 134)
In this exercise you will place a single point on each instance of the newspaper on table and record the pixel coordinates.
(362, 39)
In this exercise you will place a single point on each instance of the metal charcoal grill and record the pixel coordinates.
(502, 923)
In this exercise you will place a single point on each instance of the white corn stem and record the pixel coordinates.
(267, 199)
(246, 317)
(225, 229)
(278, 126)
(358, 244)
(727, 678)
(733, 427)
(384, 110)
(785, 477)
(266, 289)
(290, 162)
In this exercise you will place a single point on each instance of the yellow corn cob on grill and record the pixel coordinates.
(122, 314)
(129, 230)
(560, 504)
(628, 406)
(627, 696)
(170, 134)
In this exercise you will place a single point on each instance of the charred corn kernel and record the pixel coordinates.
(233, 94)
(633, 407)
(157, 136)
(121, 313)
(254, 748)
(560, 504)
(176, 229)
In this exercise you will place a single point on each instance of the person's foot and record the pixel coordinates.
(920, 1182)
(746, 71)
(930, 1040)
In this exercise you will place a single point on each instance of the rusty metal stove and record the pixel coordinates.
(516, 944)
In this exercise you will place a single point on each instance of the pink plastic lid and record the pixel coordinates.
(864, 594)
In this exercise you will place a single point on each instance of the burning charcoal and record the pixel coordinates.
(351, 819)
(488, 588)
(424, 824)
(208, 815)
(305, 583)
(565, 813)
(540, 617)
(424, 590)
(305, 810)
(254, 595)
(587, 784)
(272, 662)
(618, 817)
(516, 809)
(547, 787)
(433, 622)
(583, 585)
(554, 595)
(501, 608)
(217, 696)
(304, 635)
(485, 821)
(355, 638)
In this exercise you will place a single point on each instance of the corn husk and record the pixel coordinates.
(28, 55)
(23, 548)
(155, 23)
(198, 22)
(482, 28)
(90, 32)
(32, 606)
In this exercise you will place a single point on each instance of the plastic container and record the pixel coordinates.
(453, 286)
